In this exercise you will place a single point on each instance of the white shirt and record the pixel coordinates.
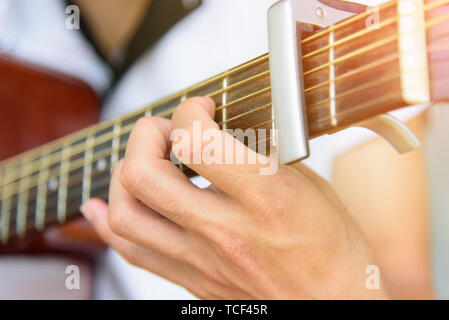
(35, 31)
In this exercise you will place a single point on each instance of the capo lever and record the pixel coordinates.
(287, 84)
(286, 20)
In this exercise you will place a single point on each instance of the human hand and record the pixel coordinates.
(247, 236)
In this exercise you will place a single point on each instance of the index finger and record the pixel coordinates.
(149, 175)
(214, 154)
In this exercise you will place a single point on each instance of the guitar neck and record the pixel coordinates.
(351, 72)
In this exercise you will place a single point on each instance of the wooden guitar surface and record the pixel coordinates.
(37, 106)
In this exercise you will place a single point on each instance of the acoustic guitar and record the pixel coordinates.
(350, 74)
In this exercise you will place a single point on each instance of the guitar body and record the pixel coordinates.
(38, 106)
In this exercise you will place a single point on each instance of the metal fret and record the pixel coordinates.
(63, 183)
(42, 188)
(224, 101)
(182, 99)
(6, 215)
(22, 206)
(332, 92)
(87, 173)
(5, 212)
(116, 144)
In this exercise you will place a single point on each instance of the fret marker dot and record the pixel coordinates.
(53, 184)
(101, 164)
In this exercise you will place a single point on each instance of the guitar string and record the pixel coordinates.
(74, 183)
(373, 83)
(101, 184)
(264, 57)
(387, 22)
(49, 220)
(355, 90)
(362, 106)
(125, 130)
(428, 25)
(99, 179)
(357, 18)
(56, 172)
(106, 137)
(321, 33)
(354, 72)
(95, 189)
(107, 152)
(354, 53)
(53, 196)
(433, 48)
(243, 66)
(79, 163)
(437, 20)
(366, 67)
(81, 147)
(430, 49)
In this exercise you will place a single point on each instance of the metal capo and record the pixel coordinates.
(287, 85)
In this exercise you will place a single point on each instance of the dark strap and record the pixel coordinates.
(162, 15)
(159, 18)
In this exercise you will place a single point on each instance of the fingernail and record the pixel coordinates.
(86, 211)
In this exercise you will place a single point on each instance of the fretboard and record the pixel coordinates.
(351, 73)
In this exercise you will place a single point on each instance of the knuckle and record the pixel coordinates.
(185, 255)
(117, 167)
(178, 212)
(272, 208)
(118, 221)
(142, 124)
(232, 250)
(285, 178)
(231, 247)
(131, 174)
(265, 205)
(274, 200)
(132, 259)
